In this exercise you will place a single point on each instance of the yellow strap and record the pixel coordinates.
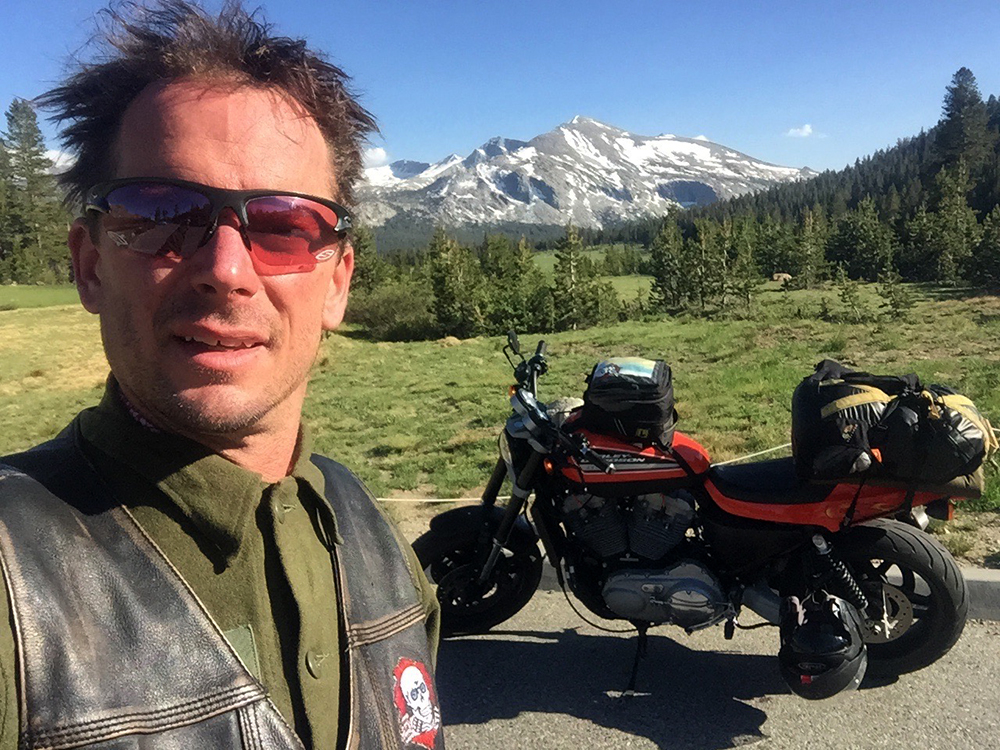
(965, 406)
(869, 395)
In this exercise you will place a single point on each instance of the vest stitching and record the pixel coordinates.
(151, 719)
(374, 627)
(246, 729)
(255, 723)
(379, 630)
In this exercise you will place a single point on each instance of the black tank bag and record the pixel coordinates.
(631, 397)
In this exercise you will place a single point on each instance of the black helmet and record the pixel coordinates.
(822, 650)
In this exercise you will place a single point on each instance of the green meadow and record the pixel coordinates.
(421, 419)
(18, 297)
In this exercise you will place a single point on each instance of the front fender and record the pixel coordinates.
(459, 522)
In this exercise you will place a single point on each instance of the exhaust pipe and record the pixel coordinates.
(762, 600)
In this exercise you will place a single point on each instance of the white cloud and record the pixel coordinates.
(375, 157)
(61, 161)
(804, 132)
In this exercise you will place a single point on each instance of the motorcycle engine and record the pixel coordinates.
(686, 594)
(648, 526)
(627, 532)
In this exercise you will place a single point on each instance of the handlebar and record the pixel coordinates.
(598, 460)
(526, 373)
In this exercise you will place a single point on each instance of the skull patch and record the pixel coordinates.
(419, 715)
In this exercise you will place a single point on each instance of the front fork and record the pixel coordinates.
(519, 496)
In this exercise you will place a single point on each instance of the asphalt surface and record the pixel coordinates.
(544, 679)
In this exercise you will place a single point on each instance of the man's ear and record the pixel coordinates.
(86, 259)
(336, 293)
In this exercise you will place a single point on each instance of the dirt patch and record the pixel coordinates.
(974, 538)
(414, 518)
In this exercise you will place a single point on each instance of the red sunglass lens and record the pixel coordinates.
(288, 231)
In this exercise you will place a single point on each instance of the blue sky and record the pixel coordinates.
(445, 76)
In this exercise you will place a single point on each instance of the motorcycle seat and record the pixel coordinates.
(775, 482)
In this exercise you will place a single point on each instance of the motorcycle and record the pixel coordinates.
(656, 535)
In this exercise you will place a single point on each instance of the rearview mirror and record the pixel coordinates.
(513, 343)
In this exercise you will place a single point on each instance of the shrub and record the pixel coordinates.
(396, 311)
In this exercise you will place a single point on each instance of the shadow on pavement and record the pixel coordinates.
(687, 698)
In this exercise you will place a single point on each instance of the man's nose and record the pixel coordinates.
(223, 264)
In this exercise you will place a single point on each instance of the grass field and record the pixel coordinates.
(19, 297)
(547, 260)
(421, 419)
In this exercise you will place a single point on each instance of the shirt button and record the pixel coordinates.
(314, 663)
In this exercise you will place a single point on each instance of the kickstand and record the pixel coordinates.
(640, 652)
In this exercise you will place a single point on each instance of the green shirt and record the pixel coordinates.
(252, 552)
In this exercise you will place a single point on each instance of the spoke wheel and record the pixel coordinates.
(918, 587)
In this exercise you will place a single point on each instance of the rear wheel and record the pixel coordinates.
(918, 585)
(449, 558)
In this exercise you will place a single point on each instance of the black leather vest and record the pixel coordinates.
(115, 651)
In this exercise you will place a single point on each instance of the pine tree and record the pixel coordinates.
(706, 267)
(743, 278)
(6, 217)
(569, 283)
(496, 256)
(850, 297)
(812, 237)
(896, 298)
(667, 266)
(963, 132)
(36, 217)
(955, 230)
(985, 266)
(861, 243)
(776, 250)
(370, 270)
(515, 287)
(459, 293)
(916, 254)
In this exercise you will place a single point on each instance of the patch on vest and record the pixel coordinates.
(419, 715)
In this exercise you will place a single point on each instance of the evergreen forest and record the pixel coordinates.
(926, 210)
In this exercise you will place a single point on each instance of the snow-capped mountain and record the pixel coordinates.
(583, 171)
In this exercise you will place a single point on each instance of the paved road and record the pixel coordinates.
(546, 680)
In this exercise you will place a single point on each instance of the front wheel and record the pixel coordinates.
(449, 553)
(918, 585)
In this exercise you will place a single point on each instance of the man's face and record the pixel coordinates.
(205, 345)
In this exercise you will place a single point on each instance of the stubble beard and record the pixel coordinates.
(216, 407)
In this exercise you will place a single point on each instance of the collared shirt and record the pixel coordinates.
(252, 552)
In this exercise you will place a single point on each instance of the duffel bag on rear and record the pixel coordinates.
(632, 397)
(833, 411)
(855, 425)
(932, 436)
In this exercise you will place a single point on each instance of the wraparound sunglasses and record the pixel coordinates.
(284, 232)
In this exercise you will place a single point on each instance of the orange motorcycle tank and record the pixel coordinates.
(638, 468)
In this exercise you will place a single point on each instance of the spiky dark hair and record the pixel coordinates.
(172, 39)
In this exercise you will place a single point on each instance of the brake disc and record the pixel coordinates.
(896, 619)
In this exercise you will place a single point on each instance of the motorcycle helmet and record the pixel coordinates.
(822, 649)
